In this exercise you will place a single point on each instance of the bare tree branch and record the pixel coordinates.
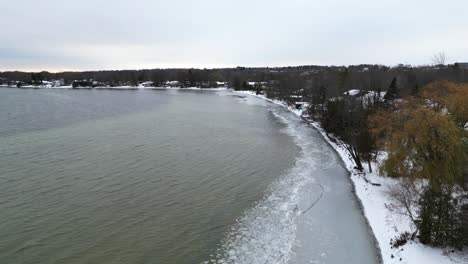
(439, 58)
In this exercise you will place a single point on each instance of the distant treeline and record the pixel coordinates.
(282, 81)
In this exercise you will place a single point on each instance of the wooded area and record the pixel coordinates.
(423, 139)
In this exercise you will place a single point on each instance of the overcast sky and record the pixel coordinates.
(116, 34)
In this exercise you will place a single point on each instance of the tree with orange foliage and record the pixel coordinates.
(425, 138)
(420, 142)
(449, 96)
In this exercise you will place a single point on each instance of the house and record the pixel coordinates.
(462, 65)
(172, 83)
(47, 84)
(146, 84)
(299, 105)
(353, 92)
(57, 83)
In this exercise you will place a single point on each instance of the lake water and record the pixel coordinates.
(169, 176)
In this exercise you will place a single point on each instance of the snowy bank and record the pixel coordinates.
(373, 192)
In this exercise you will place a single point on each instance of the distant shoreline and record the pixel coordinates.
(117, 88)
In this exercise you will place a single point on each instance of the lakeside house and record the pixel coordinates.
(146, 84)
(221, 84)
(172, 83)
(47, 84)
(462, 65)
(57, 83)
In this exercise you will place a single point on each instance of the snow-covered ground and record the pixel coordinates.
(385, 224)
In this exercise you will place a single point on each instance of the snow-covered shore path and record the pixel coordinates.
(384, 224)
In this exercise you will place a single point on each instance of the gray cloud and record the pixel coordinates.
(115, 34)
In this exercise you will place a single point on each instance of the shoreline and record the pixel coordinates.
(350, 174)
(118, 88)
(383, 224)
(322, 235)
(342, 161)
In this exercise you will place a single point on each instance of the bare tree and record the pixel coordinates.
(439, 58)
(405, 196)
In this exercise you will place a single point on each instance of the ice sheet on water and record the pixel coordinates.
(266, 233)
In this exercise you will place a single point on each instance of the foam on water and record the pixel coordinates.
(266, 233)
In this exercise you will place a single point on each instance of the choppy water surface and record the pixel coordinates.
(97, 176)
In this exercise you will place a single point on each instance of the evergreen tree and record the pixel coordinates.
(415, 90)
(440, 218)
(237, 83)
(393, 91)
